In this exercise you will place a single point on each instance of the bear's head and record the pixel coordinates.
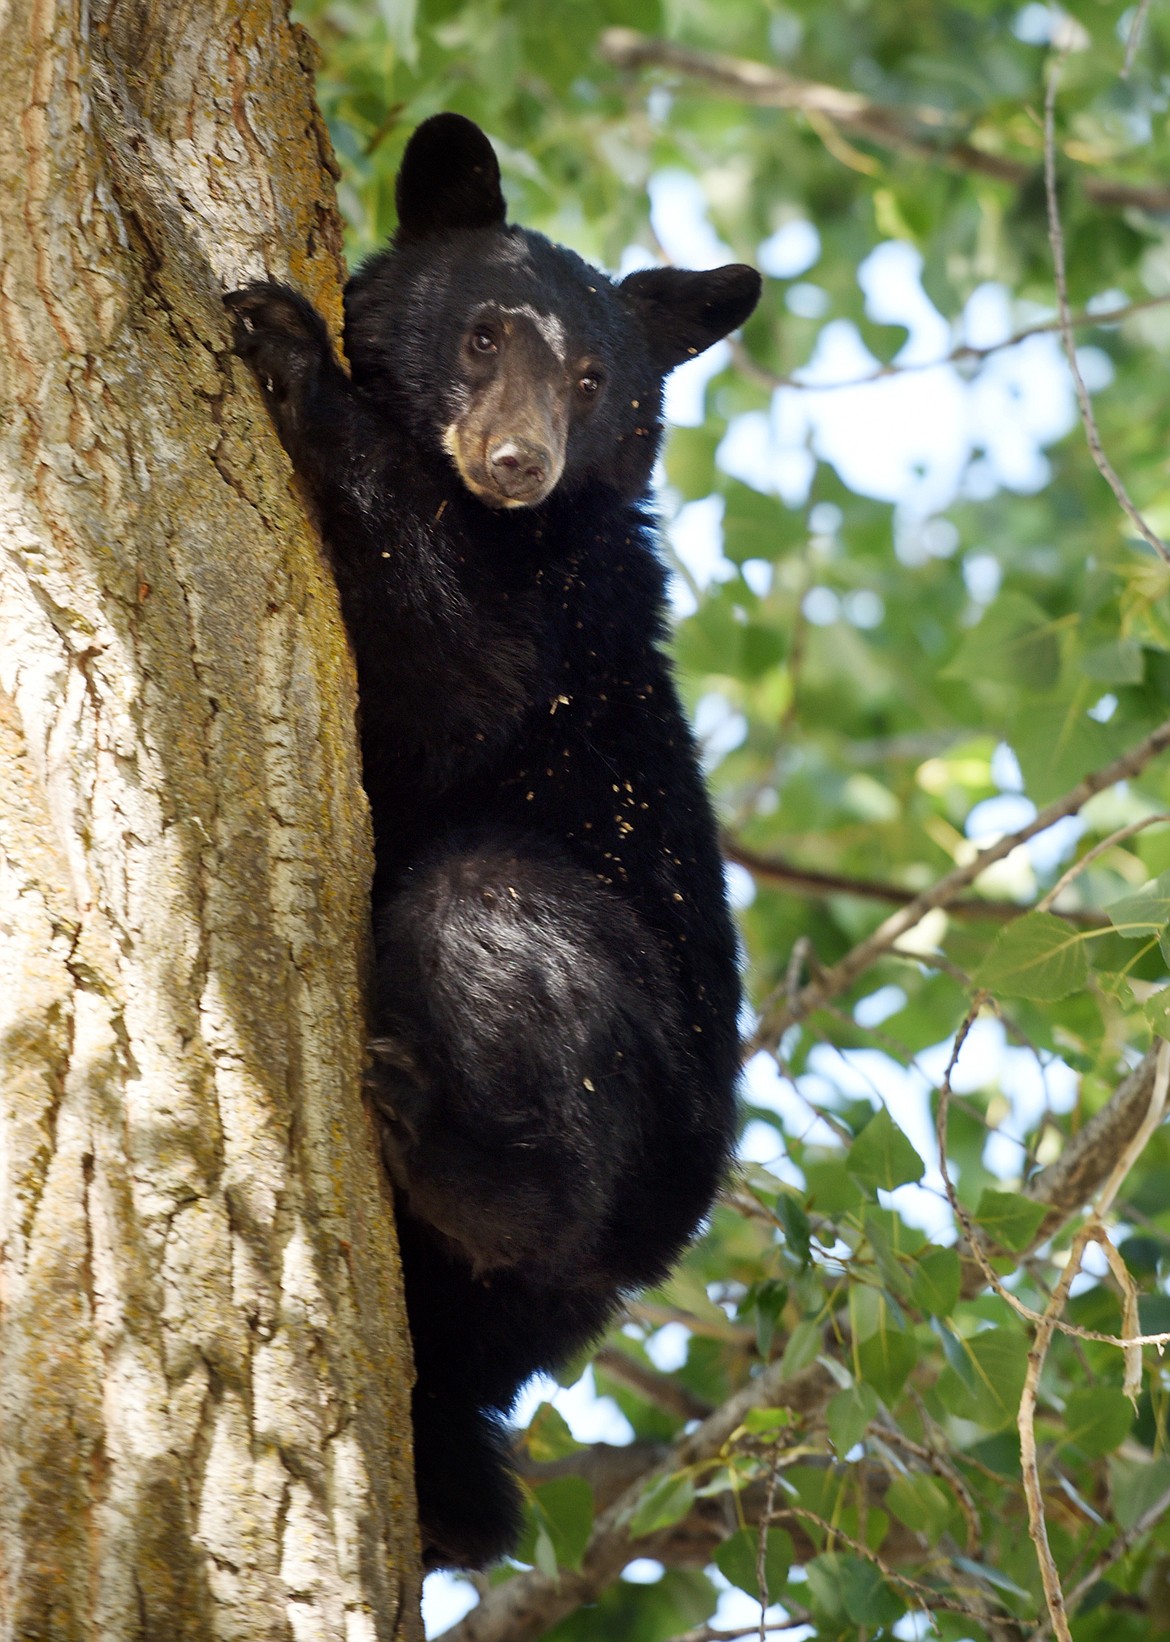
(532, 370)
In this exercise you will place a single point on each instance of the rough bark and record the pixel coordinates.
(203, 1369)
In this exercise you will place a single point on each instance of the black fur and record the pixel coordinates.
(555, 1044)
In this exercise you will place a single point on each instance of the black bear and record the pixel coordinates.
(556, 990)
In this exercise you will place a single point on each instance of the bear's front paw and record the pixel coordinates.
(280, 335)
(402, 1100)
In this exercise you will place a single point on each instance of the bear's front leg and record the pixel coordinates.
(284, 340)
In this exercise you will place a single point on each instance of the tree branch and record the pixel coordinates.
(1086, 1163)
(1090, 1156)
(917, 130)
(1029, 1459)
(830, 982)
(610, 1470)
(608, 1467)
(1056, 241)
(659, 1389)
(807, 880)
(525, 1607)
(1120, 1546)
(1115, 1165)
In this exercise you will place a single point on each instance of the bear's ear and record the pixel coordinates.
(683, 313)
(449, 178)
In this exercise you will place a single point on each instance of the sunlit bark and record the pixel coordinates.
(203, 1374)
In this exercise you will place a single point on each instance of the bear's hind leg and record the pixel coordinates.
(525, 1028)
(469, 1502)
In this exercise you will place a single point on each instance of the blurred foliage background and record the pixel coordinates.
(911, 615)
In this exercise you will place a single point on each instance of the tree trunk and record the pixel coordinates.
(204, 1369)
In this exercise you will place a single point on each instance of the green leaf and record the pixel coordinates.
(894, 1245)
(882, 1156)
(920, 1503)
(997, 1360)
(1146, 914)
(1014, 644)
(667, 1500)
(1011, 1221)
(690, 461)
(548, 1436)
(767, 1422)
(826, 1595)
(741, 1469)
(761, 648)
(1038, 956)
(738, 1561)
(755, 526)
(762, 1180)
(934, 1283)
(1134, 1486)
(564, 1512)
(794, 1221)
(886, 1359)
(958, 1357)
(849, 1414)
(803, 1348)
(544, 1552)
(1156, 1009)
(1056, 745)
(1119, 663)
(1097, 1419)
(830, 1190)
(849, 1586)
(767, 1300)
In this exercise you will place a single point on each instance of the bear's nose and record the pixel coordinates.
(518, 468)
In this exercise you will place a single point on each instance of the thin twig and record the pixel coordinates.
(808, 880)
(712, 1633)
(930, 1598)
(1056, 241)
(1130, 1317)
(828, 983)
(938, 1463)
(765, 1594)
(1114, 1551)
(922, 132)
(1026, 1424)
(1093, 1231)
(1135, 34)
(962, 353)
(1098, 849)
(1052, 1319)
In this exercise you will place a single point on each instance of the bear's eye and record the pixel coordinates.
(483, 341)
(588, 384)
